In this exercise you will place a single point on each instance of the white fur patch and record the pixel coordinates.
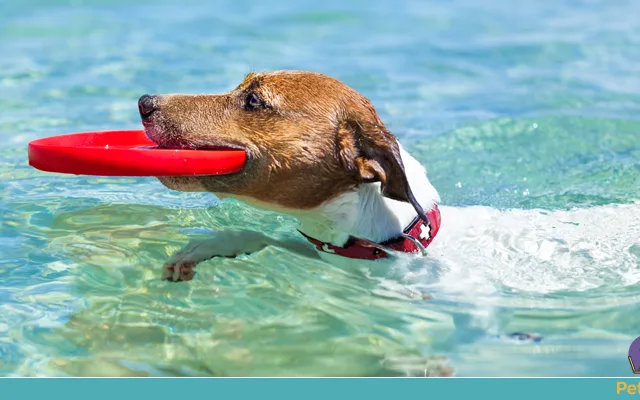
(366, 213)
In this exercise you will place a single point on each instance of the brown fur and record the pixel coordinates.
(313, 139)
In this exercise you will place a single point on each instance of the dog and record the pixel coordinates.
(316, 150)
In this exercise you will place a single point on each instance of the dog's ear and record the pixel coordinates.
(371, 153)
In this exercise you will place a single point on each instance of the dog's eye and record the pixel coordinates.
(253, 101)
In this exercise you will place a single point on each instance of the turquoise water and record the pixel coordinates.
(529, 110)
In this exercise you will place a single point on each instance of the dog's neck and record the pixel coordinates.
(365, 213)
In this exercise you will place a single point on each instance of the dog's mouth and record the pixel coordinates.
(174, 141)
(202, 148)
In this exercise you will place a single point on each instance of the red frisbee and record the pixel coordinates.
(127, 153)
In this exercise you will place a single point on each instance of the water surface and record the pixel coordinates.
(525, 116)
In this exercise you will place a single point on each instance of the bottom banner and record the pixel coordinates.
(310, 388)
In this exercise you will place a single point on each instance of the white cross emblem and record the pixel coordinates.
(423, 235)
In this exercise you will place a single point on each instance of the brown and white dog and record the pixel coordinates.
(317, 150)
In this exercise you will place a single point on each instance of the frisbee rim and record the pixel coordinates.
(128, 153)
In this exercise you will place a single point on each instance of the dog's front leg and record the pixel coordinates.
(224, 244)
(180, 266)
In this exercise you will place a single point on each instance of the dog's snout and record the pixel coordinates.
(146, 106)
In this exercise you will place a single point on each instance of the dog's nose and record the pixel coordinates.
(146, 106)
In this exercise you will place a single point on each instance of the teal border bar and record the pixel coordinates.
(309, 388)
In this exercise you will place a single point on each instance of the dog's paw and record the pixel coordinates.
(178, 272)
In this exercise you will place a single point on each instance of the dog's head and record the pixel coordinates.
(308, 138)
